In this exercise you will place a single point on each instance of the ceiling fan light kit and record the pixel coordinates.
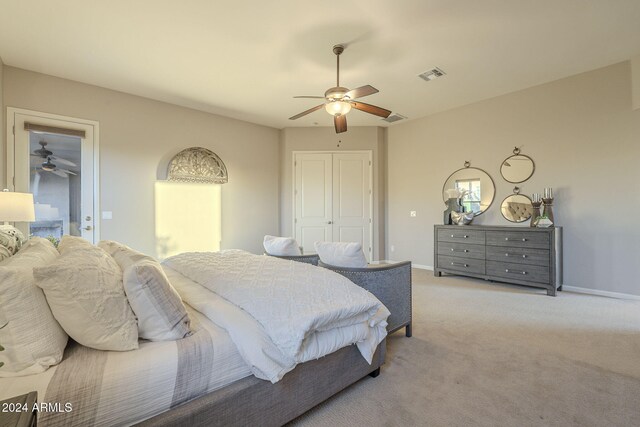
(340, 100)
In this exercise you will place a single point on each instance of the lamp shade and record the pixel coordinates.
(16, 207)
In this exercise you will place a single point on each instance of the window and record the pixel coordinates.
(472, 197)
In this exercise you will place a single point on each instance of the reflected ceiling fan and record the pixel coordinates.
(339, 100)
(48, 165)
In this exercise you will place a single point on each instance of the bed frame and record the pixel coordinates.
(251, 401)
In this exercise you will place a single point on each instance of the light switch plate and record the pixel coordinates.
(107, 215)
(413, 214)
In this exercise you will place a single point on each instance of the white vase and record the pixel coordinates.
(544, 223)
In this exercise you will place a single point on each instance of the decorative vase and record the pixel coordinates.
(536, 213)
(462, 218)
(548, 208)
(543, 222)
(453, 205)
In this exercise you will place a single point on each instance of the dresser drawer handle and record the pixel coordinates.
(507, 254)
(515, 272)
(460, 237)
(460, 264)
(460, 250)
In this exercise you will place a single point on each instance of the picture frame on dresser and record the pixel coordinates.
(517, 255)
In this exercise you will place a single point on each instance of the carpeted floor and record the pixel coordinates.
(486, 354)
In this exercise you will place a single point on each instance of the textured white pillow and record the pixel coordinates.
(161, 314)
(33, 339)
(281, 246)
(69, 242)
(84, 289)
(340, 254)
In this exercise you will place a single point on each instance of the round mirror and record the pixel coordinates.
(475, 186)
(517, 168)
(517, 208)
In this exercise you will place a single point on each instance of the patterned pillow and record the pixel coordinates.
(84, 289)
(9, 244)
(161, 314)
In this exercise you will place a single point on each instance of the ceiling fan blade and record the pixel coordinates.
(340, 122)
(304, 113)
(361, 91)
(63, 161)
(67, 171)
(309, 97)
(59, 173)
(371, 109)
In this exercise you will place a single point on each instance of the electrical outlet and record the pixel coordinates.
(413, 214)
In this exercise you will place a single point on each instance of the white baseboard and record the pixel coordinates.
(597, 292)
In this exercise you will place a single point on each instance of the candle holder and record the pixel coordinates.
(536, 213)
(548, 209)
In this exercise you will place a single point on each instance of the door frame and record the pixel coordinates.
(10, 160)
(294, 153)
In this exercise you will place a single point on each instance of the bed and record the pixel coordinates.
(219, 375)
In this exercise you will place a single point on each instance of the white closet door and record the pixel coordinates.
(352, 199)
(333, 199)
(313, 199)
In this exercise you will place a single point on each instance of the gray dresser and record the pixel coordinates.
(521, 255)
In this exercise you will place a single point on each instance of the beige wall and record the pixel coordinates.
(139, 136)
(585, 141)
(325, 139)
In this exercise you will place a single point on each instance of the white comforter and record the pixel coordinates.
(291, 312)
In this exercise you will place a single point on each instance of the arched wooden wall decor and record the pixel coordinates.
(197, 164)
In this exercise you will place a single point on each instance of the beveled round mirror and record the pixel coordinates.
(475, 186)
(517, 168)
(517, 207)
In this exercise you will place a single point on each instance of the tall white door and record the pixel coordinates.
(55, 159)
(333, 199)
(313, 199)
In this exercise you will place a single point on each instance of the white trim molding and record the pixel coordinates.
(597, 292)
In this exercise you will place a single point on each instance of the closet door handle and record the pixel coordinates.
(329, 222)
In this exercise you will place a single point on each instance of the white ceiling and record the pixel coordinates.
(247, 59)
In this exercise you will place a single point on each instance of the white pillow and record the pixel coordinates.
(69, 242)
(36, 252)
(161, 314)
(340, 254)
(33, 339)
(84, 289)
(281, 246)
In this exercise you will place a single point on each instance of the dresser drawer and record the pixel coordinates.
(513, 271)
(461, 250)
(518, 255)
(463, 265)
(517, 239)
(464, 235)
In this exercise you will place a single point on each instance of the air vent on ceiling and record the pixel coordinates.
(432, 74)
(394, 117)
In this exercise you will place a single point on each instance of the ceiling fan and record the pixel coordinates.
(48, 165)
(339, 100)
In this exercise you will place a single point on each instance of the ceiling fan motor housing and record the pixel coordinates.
(335, 93)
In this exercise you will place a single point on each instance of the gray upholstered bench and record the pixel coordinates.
(390, 283)
(309, 259)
